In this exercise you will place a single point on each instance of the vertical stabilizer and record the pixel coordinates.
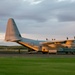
(12, 32)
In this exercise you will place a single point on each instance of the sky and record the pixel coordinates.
(39, 19)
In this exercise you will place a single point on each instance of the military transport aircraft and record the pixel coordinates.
(13, 35)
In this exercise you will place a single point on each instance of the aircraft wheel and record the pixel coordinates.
(44, 52)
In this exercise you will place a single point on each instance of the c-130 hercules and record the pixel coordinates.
(13, 35)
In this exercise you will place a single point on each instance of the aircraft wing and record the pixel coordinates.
(55, 42)
(59, 42)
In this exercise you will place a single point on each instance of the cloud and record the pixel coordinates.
(44, 17)
(32, 2)
(40, 12)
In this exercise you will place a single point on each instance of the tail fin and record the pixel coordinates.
(12, 32)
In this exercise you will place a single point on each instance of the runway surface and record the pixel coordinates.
(25, 54)
(39, 55)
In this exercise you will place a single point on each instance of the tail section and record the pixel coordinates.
(12, 32)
